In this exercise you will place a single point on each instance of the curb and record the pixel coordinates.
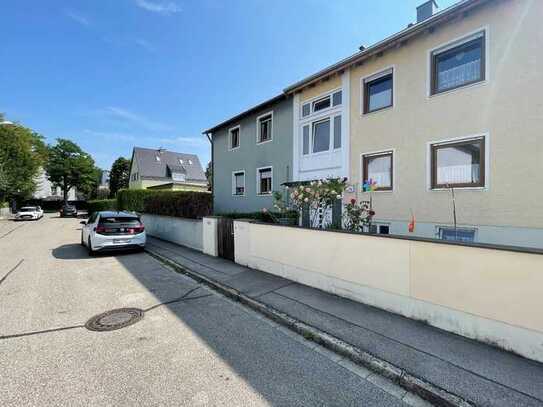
(422, 388)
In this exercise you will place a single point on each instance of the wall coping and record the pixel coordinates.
(515, 249)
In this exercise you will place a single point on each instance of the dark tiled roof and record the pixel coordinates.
(149, 166)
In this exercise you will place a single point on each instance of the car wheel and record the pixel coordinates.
(89, 247)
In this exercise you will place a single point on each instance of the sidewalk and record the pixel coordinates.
(481, 374)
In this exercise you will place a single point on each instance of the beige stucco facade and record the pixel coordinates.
(506, 108)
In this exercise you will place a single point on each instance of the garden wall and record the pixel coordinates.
(183, 231)
(485, 293)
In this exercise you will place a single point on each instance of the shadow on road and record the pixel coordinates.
(282, 371)
(76, 251)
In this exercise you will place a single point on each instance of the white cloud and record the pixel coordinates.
(77, 17)
(133, 118)
(146, 45)
(159, 7)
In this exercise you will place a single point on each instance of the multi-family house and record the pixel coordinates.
(252, 156)
(163, 169)
(46, 190)
(438, 125)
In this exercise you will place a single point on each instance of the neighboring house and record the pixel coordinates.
(47, 191)
(453, 100)
(166, 169)
(252, 156)
(104, 180)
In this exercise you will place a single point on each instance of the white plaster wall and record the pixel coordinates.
(210, 239)
(186, 232)
(485, 294)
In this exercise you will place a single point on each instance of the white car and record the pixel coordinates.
(29, 213)
(109, 230)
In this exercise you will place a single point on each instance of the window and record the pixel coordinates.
(157, 158)
(306, 110)
(321, 104)
(306, 140)
(384, 229)
(234, 137)
(264, 128)
(337, 132)
(336, 99)
(458, 164)
(378, 92)
(378, 168)
(461, 65)
(321, 136)
(177, 176)
(190, 162)
(458, 234)
(238, 183)
(264, 181)
(180, 161)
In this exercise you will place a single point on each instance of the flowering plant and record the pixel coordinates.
(320, 194)
(358, 215)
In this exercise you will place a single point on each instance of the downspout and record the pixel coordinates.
(210, 139)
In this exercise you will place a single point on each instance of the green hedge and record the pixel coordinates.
(133, 199)
(183, 204)
(269, 217)
(101, 205)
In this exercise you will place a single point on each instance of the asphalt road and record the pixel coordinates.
(202, 349)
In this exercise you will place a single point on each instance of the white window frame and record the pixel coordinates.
(270, 113)
(234, 173)
(324, 112)
(230, 148)
(394, 167)
(258, 192)
(391, 69)
(429, 145)
(452, 44)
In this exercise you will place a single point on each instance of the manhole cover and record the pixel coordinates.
(114, 319)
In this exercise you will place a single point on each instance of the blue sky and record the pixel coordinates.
(112, 74)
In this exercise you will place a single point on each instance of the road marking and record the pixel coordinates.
(12, 230)
(11, 271)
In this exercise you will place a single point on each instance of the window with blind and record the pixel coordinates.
(238, 183)
(459, 65)
(264, 128)
(378, 168)
(458, 164)
(264, 181)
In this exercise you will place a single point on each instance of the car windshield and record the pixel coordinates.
(28, 209)
(115, 220)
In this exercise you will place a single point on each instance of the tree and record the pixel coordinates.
(70, 167)
(22, 154)
(209, 176)
(119, 175)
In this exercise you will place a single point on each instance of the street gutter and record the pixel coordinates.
(420, 387)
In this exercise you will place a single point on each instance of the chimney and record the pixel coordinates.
(426, 10)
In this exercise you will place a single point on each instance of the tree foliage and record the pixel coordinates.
(119, 175)
(209, 176)
(70, 167)
(22, 154)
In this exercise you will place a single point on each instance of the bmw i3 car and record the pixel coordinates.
(110, 231)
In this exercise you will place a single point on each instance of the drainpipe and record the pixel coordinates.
(210, 139)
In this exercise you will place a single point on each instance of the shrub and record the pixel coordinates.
(261, 216)
(184, 204)
(101, 205)
(132, 199)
